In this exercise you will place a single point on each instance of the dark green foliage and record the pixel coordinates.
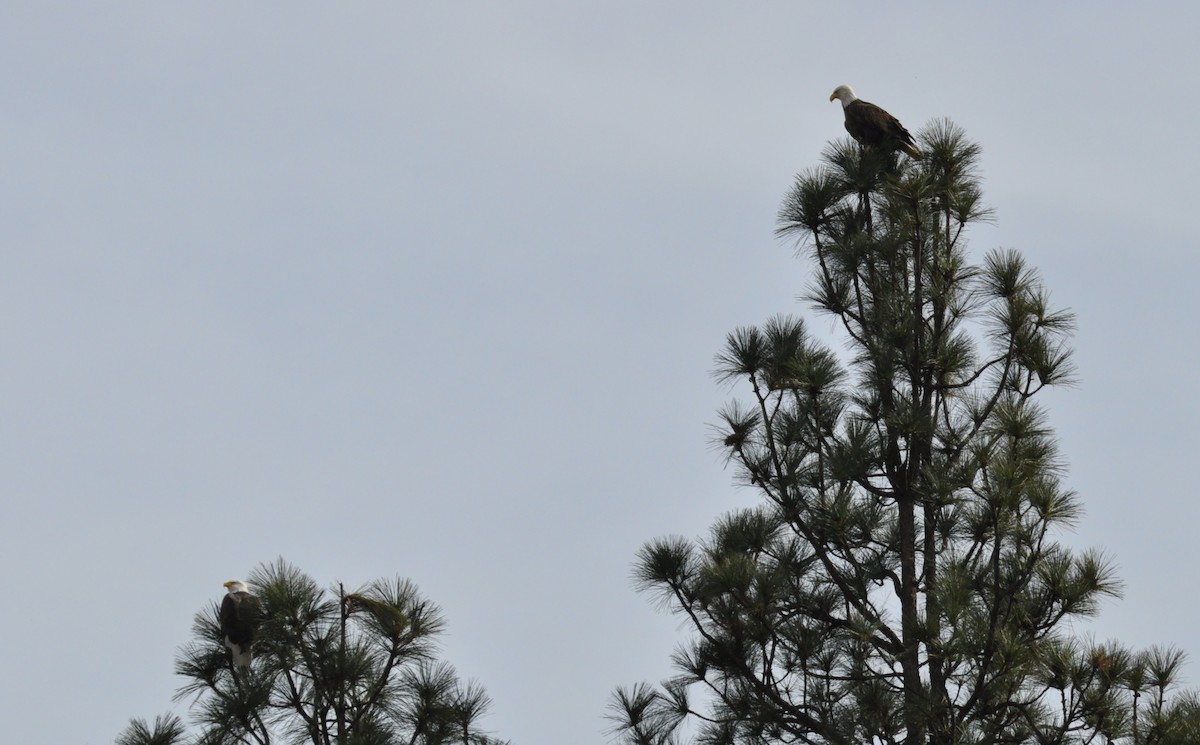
(901, 579)
(355, 668)
(167, 730)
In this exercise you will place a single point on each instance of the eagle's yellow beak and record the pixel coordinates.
(833, 95)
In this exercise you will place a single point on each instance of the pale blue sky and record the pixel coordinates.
(434, 290)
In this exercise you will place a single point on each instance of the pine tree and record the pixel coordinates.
(901, 580)
(329, 667)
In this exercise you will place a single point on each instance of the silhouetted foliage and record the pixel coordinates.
(355, 668)
(901, 580)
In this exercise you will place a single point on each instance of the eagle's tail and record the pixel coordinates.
(912, 150)
(241, 656)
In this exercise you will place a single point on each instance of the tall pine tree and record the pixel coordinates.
(901, 581)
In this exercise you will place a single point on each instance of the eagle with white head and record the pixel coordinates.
(871, 125)
(239, 616)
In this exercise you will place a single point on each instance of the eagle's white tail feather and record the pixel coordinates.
(241, 658)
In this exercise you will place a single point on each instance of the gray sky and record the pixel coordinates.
(434, 289)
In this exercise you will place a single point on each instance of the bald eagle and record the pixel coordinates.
(871, 125)
(239, 616)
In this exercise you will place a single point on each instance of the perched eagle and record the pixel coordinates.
(871, 125)
(240, 614)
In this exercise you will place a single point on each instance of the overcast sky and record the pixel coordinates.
(433, 290)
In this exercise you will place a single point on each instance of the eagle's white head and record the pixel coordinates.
(236, 585)
(845, 94)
